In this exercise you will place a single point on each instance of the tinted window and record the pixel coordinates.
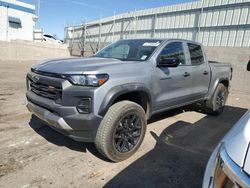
(130, 50)
(174, 50)
(196, 54)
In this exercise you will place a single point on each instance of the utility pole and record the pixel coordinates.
(84, 37)
(113, 35)
(38, 12)
(7, 29)
(135, 23)
(100, 33)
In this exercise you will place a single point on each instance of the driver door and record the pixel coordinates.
(172, 84)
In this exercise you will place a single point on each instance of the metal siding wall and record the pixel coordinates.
(246, 41)
(239, 38)
(218, 2)
(231, 40)
(225, 37)
(222, 17)
(217, 41)
(229, 16)
(225, 2)
(211, 38)
(244, 15)
(248, 20)
(236, 16)
(228, 24)
(215, 18)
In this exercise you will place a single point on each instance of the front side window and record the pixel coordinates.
(174, 50)
(196, 54)
(130, 50)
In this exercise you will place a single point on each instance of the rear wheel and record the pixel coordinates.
(217, 103)
(121, 131)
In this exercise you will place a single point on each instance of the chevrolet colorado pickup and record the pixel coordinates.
(108, 98)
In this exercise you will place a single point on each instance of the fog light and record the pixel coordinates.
(84, 106)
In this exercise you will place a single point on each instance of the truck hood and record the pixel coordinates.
(76, 65)
(237, 142)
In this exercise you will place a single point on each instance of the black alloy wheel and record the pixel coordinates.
(220, 100)
(127, 133)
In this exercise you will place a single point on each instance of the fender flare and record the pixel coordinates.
(215, 85)
(120, 90)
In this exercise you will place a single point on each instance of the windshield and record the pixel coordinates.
(130, 50)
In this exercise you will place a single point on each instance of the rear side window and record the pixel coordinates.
(174, 50)
(196, 54)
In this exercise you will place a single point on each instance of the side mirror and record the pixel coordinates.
(248, 66)
(168, 62)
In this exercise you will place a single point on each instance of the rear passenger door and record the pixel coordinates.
(200, 71)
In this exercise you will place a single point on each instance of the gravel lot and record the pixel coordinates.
(174, 152)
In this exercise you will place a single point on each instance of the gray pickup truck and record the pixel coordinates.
(108, 98)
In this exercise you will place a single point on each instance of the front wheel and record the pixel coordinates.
(217, 103)
(121, 131)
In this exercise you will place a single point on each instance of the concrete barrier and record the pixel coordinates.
(25, 50)
(238, 58)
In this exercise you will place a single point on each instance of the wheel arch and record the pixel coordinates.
(224, 81)
(137, 93)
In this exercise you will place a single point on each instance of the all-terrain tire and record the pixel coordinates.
(216, 104)
(106, 138)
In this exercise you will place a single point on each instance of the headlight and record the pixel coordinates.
(88, 80)
(221, 179)
(227, 173)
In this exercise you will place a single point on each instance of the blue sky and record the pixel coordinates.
(56, 14)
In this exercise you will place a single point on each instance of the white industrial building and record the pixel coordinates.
(17, 20)
(212, 22)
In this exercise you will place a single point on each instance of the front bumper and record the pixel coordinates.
(233, 172)
(220, 160)
(55, 101)
(64, 119)
(45, 115)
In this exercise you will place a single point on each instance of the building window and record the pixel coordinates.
(15, 22)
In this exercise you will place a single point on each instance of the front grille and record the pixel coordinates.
(46, 91)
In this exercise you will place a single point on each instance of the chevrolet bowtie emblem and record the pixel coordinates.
(35, 78)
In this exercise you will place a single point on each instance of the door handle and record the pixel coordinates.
(205, 72)
(186, 74)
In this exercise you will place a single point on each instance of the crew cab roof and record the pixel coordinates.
(165, 39)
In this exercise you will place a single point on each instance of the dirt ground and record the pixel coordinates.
(174, 152)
